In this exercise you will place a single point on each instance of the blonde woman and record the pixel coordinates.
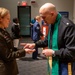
(8, 65)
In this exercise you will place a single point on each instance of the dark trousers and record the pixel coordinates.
(73, 68)
(64, 69)
(35, 54)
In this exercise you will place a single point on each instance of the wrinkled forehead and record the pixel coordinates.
(43, 12)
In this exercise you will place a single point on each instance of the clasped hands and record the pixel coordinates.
(29, 48)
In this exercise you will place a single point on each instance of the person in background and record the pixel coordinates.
(43, 23)
(60, 41)
(15, 32)
(31, 25)
(36, 35)
(8, 65)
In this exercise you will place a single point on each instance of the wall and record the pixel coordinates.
(74, 12)
(62, 5)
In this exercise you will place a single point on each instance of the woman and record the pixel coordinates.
(8, 65)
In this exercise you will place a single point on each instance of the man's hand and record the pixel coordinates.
(29, 51)
(28, 45)
(48, 52)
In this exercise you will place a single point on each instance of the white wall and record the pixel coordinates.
(74, 12)
(62, 5)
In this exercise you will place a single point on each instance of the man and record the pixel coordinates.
(60, 41)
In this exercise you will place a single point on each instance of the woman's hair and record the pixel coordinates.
(3, 12)
(38, 17)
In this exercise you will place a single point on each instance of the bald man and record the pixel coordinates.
(60, 41)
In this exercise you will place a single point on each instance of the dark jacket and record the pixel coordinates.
(36, 31)
(66, 41)
(8, 65)
(15, 31)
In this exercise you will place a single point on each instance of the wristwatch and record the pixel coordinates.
(53, 54)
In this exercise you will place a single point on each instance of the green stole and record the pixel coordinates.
(55, 61)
